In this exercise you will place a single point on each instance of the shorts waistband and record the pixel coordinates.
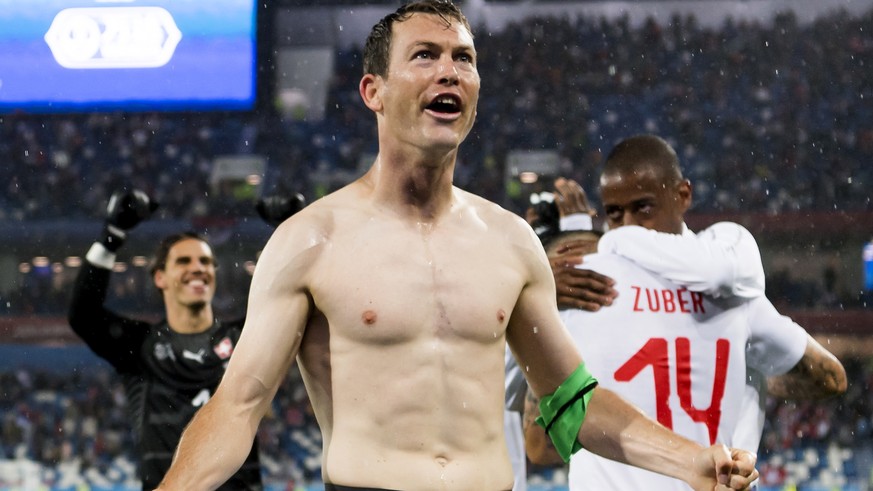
(340, 487)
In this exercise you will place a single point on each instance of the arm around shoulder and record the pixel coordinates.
(722, 260)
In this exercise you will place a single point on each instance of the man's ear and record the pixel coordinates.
(159, 279)
(685, 194)
(369, 89)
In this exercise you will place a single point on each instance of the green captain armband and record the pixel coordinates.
(563, 411)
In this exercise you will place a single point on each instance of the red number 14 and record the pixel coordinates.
(655, 354)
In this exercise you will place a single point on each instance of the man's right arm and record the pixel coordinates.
(722, 260)
(87, 316)
(220, 436)
(89, 291)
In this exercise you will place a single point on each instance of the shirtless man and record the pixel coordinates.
(397, 294)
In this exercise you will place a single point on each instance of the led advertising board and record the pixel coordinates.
(127, 55)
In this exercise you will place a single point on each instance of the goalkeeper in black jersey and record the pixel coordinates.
(169, 369)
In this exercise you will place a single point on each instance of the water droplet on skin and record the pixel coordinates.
(536, 329)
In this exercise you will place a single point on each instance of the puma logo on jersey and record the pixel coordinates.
(669, 301)
(198, 356)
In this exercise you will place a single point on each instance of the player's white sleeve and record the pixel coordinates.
(722, 261)
(100, 256)
(576, 221)
(776, 343)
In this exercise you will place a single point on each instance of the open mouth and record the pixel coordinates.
(445, 104)
(197, 284)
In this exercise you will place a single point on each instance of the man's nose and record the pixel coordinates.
(627, 218)
(448, 72)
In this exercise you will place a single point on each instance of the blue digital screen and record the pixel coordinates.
(133, 55)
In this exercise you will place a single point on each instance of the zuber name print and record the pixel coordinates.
(678, 300)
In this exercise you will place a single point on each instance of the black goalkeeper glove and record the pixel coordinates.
(277, 208)
(125, 210)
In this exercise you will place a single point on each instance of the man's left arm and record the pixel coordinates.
(818, 375)
(616, 430)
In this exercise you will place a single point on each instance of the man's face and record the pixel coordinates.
(430, 94)
(644, 199)
(188, 278)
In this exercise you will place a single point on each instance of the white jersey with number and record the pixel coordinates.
(678, 355)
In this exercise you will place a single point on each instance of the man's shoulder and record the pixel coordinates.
(316, 219)
(490, 211)
(727, 231)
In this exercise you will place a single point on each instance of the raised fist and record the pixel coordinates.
(277, 208)
(125, 210)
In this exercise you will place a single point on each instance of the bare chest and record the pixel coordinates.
(389, 286)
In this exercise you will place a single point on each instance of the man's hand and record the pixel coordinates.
(720, 468)
(571, 198)
(126, 209)
(579, 288)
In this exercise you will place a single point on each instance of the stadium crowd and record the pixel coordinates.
(66, 430)
(759, 126)
(768, 117)
(71, 429)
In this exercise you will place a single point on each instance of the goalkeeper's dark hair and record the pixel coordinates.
(159, 260)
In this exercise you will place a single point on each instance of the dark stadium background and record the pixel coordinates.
(769, 104)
